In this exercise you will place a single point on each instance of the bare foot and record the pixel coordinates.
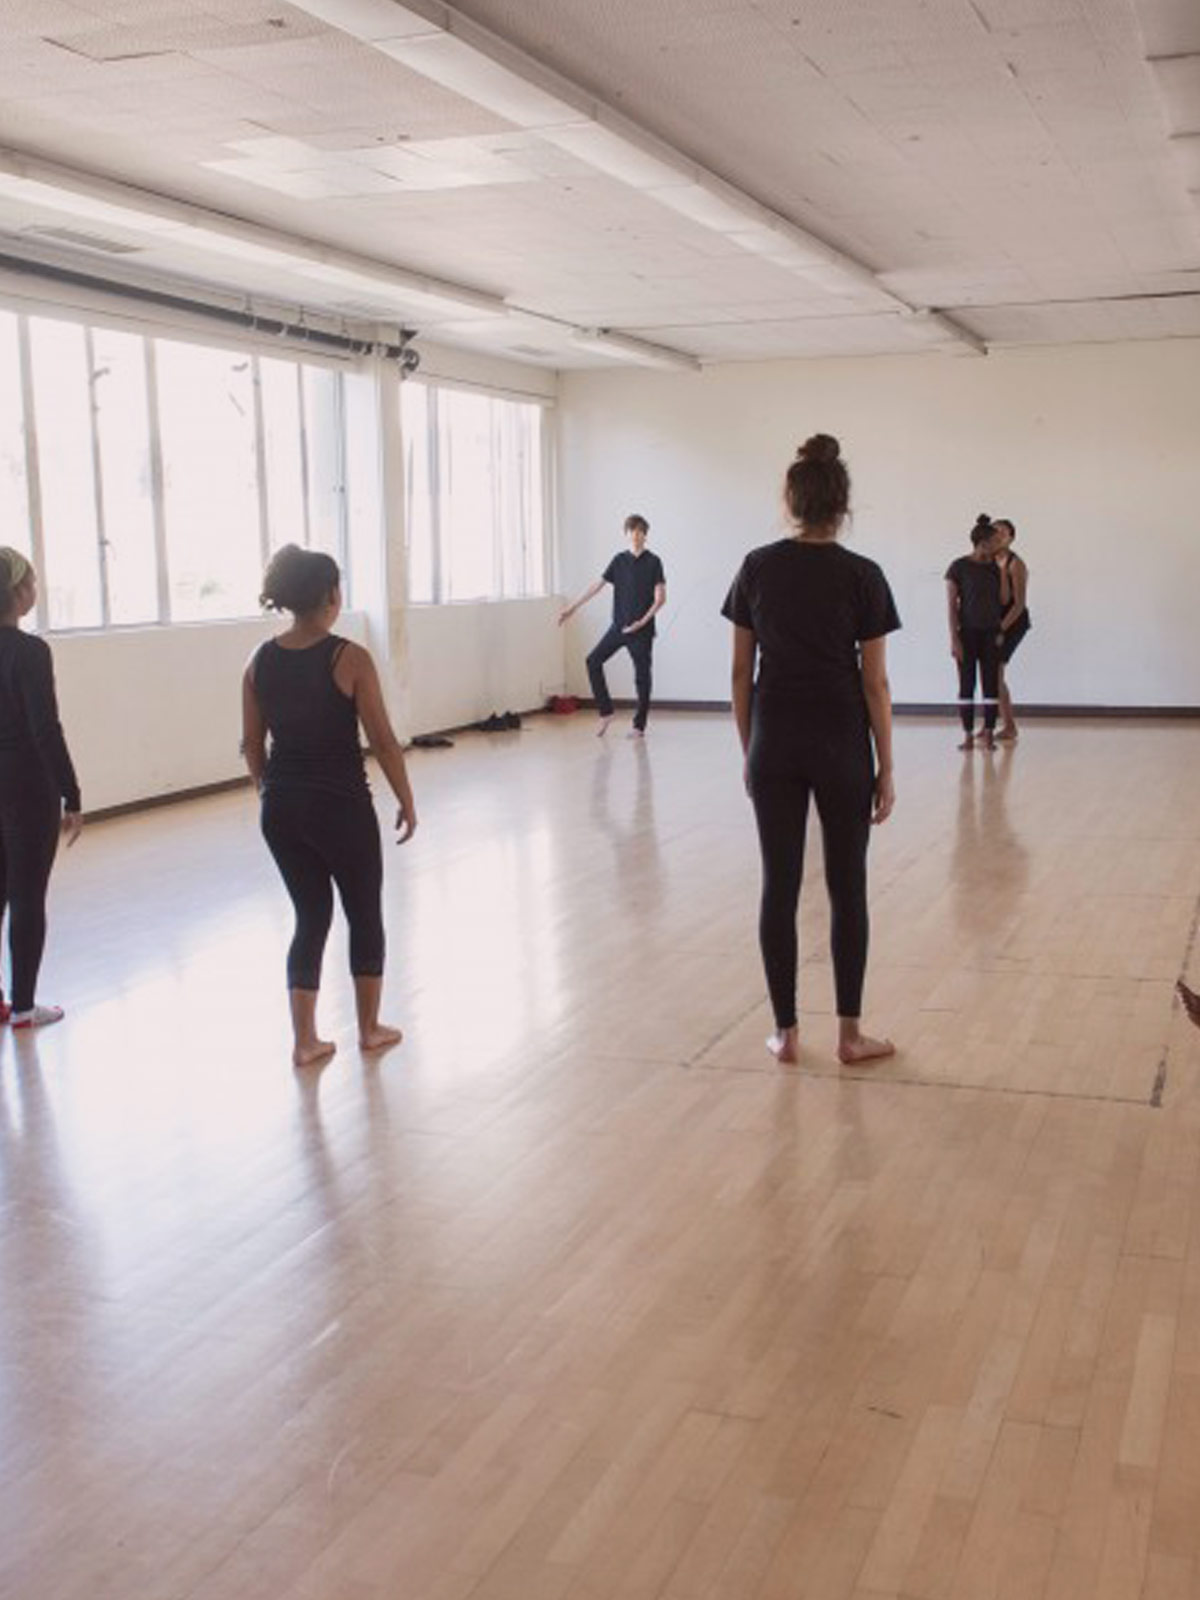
(605, 724)
(987, 739)
(380, 1037)
(636, 733)
(854, 1052)
(1007, 735)
(785, 1045)
(968, 743)
(312, 1051)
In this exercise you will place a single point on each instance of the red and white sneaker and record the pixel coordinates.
(39, 1017)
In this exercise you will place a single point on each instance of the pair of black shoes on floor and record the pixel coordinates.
(500, 722)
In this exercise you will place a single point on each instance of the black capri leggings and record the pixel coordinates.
(980, 653)
(30, 818)
(834, 767)
(318, 840)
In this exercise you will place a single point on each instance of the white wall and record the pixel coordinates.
(152, 711)
(1093, 451)
(468, 660)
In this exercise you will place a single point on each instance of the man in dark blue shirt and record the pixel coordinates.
(639, 587)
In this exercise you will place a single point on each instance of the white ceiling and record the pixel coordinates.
(726, 179)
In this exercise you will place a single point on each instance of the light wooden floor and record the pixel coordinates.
(578, 1295)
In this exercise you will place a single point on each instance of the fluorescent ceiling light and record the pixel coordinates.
(641, 351)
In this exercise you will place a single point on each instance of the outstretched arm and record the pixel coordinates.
(372, 713)
(588, 594)
(879, 710)
(660, 600)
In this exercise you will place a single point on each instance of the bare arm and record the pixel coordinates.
(1018, 588)
(952, 602)
(660, 600)
(372, 713)
(254, 730)
(879, 710)
(588, 594)
(745, 648)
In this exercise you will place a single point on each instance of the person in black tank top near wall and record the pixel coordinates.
(307, 691)
(816, 722)
(1015, 623)
(975, 613)
(639, 588)
(39, 793)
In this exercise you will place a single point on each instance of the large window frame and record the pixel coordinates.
(516, 530)
(323, 522)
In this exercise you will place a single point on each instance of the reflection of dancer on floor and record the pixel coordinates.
(815, 616)
(973, 594)
(308, 689)
(639, 588)
(1015, 623)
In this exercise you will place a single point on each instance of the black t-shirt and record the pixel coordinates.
(32, 748)
(634, 580)
(978, 585)
(810, 606)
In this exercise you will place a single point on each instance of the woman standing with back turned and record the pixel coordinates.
(39, 794)
(309, 689)
(816, 617)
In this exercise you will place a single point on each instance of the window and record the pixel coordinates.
(62, 417)
(210, 481)
(475, 488)
(14, 494)
(166, 472)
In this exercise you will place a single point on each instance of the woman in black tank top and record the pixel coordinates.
(306, 692)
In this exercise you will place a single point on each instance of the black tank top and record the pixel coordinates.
(312, 724)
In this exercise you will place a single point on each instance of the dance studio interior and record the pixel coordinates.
(580, 1292)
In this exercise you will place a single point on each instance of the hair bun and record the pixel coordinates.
(819, 447)
(983, 520)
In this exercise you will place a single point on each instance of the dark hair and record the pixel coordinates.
(983, 530)
(300, 581)
(1005, 522)
(817, 490)
(636, 520)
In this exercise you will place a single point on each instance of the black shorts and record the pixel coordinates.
(1011, 637)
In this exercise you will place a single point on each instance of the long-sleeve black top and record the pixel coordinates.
(31, 735)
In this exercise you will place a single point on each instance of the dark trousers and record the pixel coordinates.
(835, 769)
(29, 825)
(980, 655)
(319, 840)
(641, 647)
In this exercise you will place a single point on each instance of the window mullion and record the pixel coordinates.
(305, 474)
(97, 478)
(260, 457)
(433, 447)
(157, 485)
(33, 481)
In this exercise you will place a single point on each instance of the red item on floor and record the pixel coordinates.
(562, 704)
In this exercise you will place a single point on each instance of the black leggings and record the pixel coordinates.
(29, 825)
(836, 769)
(980, 652)
(640, 646)
(318, 840)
